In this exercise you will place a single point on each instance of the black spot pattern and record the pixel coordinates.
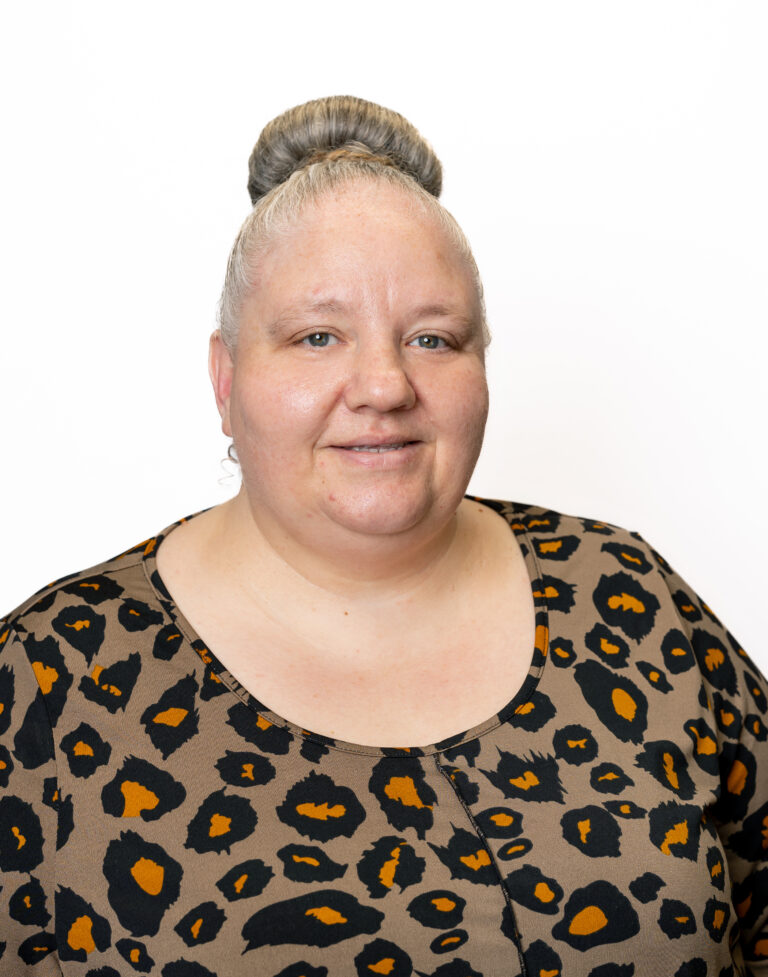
(609, 821)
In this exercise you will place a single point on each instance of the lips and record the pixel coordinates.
(377, 448)
(375, 445)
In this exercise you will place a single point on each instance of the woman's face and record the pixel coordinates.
(357, 395)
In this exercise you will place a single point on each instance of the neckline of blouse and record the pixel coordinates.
(538, 655)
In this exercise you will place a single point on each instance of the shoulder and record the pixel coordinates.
(601, 571)
(593, 547)
(556, 535)
(111, 578)
(626, 595)
(93, 585)
(67, 619)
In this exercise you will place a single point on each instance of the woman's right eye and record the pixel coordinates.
(318, 339)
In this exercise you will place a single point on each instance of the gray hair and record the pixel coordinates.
(314, 149)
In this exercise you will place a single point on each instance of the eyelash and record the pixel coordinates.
(429, 335)
(305, 340)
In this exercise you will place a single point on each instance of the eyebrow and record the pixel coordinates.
(298, 312)
(438, 310)
(336, 307)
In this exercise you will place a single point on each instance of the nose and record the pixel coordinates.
(379, 380)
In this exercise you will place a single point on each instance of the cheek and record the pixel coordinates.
(279, 410)
(459, 408)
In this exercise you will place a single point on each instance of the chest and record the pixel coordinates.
(411, 670)
(416, 680)
(577, 832)
(263, 849)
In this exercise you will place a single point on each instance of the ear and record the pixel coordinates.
(221, 369)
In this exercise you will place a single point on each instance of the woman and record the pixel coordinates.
(353, 721)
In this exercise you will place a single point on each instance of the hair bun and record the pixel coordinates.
(312, 131)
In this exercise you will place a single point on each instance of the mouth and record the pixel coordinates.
(378, 448)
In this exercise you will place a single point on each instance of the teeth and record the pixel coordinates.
(378, 450)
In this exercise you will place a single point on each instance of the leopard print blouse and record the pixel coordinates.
(610, 821)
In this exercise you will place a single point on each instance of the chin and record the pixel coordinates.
(379, 513)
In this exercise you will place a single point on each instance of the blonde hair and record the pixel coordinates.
(315, 149)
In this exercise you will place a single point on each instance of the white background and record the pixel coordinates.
(608, 161)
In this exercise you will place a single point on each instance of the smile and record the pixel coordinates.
(378, 448)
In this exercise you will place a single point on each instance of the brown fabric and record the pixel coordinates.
(154, 818)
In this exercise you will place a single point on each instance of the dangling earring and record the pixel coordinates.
(231, 456)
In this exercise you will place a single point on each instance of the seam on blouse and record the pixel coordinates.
(480, 834)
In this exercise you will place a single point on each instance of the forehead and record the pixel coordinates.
(367, 245)
(376, 199)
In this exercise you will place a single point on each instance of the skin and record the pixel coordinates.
(363, 328)
(351, 591)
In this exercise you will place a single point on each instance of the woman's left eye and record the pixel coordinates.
(429, 342)
(319, 339)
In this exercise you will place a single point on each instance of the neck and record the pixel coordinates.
(347, 566)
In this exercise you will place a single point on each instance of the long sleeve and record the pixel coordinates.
(736, 693)
(28, 815)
